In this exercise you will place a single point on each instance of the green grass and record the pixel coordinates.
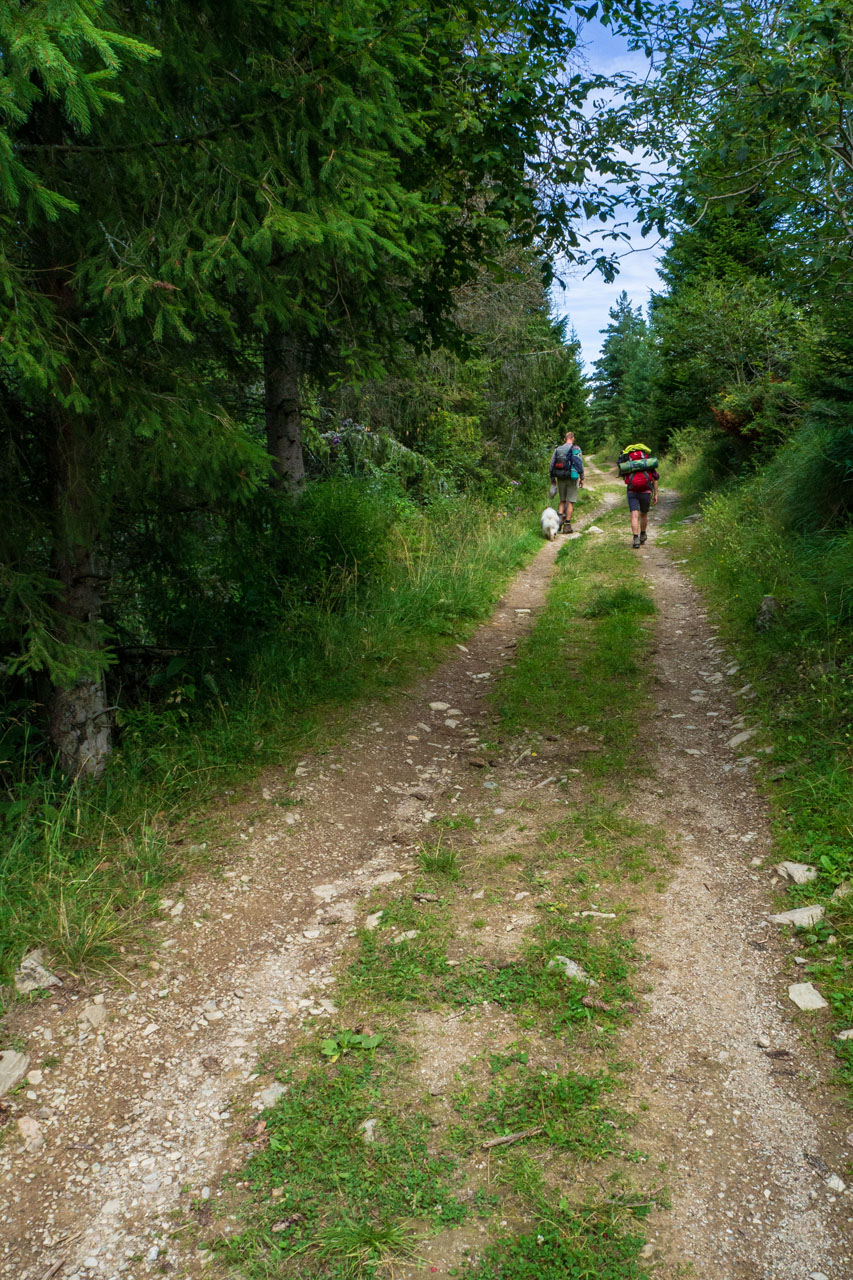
(439, 860)
(81, 865)
(592, 1246)
(348, 1205)
(587, 659)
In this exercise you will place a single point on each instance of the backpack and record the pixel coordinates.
(638, 468)
(565, 463)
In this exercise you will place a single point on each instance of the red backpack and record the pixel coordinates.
(638, 480)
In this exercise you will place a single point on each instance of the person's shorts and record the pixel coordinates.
(639, 501)
(567, 489)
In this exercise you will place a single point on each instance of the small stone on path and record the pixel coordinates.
(800, 917)
(806, 996)
(799, 872)
(572, 969)
(439, 706)
(13, 1068)
(372, 921)
(740, 738)
(272, 1093)
(94, 1014)
(33, 976)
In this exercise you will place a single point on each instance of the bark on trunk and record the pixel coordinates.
(80, 725)
(282, 367)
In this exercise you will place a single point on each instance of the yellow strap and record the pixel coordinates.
(629, 447)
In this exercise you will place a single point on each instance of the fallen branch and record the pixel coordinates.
(511, 1137)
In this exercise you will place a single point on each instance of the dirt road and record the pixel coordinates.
(141, 1086)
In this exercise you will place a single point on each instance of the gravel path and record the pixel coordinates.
(145, 1084)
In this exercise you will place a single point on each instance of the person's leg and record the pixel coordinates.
(634, 508)
(645, 504)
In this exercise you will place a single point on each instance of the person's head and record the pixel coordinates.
(570, 437)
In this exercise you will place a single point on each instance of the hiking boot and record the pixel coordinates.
(567, 527)
(636, 540)
(643, 537)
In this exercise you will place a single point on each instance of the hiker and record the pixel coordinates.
(638, 469)
(566, 468)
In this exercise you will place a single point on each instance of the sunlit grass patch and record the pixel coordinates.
(587, 660)
(333, 1196)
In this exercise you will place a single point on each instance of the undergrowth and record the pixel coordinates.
(79, 862)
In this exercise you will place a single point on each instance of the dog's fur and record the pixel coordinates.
(550, 523)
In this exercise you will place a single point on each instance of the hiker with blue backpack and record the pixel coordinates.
(638, 469)
(566, 470)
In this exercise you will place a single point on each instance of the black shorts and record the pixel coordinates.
(639, 501)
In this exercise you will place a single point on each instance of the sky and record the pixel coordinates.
(586, 300)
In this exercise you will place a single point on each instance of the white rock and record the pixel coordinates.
(593, 528)
(572, 970)
(13, 1068)
(835, 1184)
(806, 996)
(211, 1015)
(272, 1093)
(439, 706)
(405, 937)
(843, 891)
(845, 1035)
(692, 751)
(800, 917)
(111, 1207)
(35, 1077)
(481, 893)
(325, 891)
(30, 1130)
(799, 872)
(740, 738)
(818, 1275)
(311, 933)
(386, 877)
(368, 1131)
(177, 909)
(94, 1014)
(372, 921)
(31, 975)
(153, 1254)
(452, 724)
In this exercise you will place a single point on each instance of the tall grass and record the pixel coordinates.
(79, 862)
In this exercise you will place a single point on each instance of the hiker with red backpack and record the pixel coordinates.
(566, 470)
(638, 469)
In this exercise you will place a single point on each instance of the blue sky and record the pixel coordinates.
(587, 301)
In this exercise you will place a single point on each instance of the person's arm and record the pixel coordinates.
(580, 468)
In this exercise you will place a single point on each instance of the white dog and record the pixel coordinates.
(550, 523)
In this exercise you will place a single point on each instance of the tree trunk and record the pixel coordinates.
(282, 366)
(79, 725)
